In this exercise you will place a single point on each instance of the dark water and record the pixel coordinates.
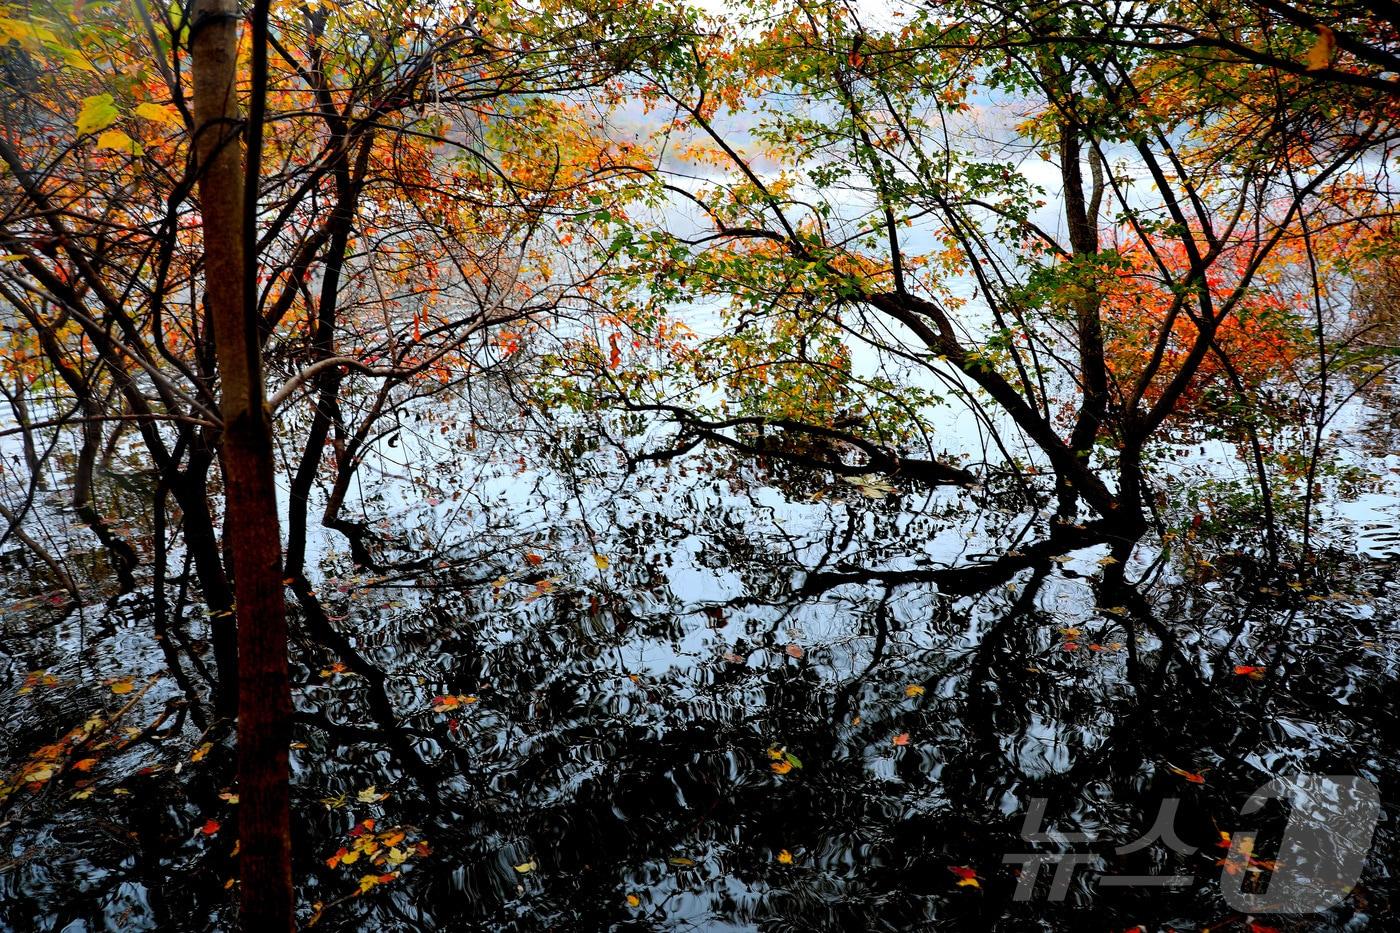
(606, 755)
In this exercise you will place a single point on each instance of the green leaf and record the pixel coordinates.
(98, 113)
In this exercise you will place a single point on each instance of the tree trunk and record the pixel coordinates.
(252, 539)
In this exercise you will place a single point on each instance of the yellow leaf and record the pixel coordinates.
(785, 857)
(681, 861)
(121, 687)
(370, 794)
(99, 112)
(913, 690)
(633, 900)
(164, 113)
(526, 867)
(601, 562)
(1320, 55)
(202, 751)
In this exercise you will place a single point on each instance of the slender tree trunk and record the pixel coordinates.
(252, 539)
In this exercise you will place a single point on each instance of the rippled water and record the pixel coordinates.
(549, 740)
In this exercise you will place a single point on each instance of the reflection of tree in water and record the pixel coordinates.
(619, 741)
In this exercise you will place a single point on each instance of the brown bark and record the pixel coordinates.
(252, 538)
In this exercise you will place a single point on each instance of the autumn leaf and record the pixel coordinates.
(967, 877)
(902, 739)
(98, 113)
(785, 857)
(601, 562)
(1320, 55)
(199, 754)
(158, 113)
(370, 795)
(121, 687)
(533, 559)
(633, 900)
(1249, 670)
(794, 651)
(781, 767)
(680, 861)
(119, 141)
(370, 881)
(443, 704)
(84, 764)
(913, 690)
(210, 827)
(1191, 776)
(525, 868)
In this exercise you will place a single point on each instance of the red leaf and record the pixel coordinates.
(210, 827)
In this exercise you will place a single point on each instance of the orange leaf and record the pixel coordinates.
(1249, 670)
(902, 739)
(794, 651)
(1320, 55)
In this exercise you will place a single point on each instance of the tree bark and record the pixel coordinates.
(252, 538)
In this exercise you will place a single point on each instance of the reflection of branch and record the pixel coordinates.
(967, 580)
(879, 459)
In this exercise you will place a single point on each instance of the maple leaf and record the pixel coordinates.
(913, 690)
(210, 827)
(1251, 671)
(794, 651)
(902, 739)
(633, 900)
(785, 857)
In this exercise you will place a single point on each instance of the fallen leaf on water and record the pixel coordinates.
(1249, 670)
(84, 764)
(913, 690)
(200, 753)
(967, 877)
(601, 562)
(370, 795)
(794, 651)
(534, 560)
(210, 827)
(781, 767)
(444, 703)
(1191, 776)
(633, 900)
(120, 687)
(785, 857)
(370, 881)
(681, 861)
(902, 739)
(525, 868)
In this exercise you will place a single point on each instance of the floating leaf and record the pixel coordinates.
(525, 868)
(794, 651)
(967, 877)
(370, 795)
(633, 900)
(785, 857)
(913, 690)
(781, 767)
(533, 559)
(210, 827)
(601, 562)
(680, 861)
(120, 687)
(199, 754)
(902, 739)
(1191, 776)
(1251, 671)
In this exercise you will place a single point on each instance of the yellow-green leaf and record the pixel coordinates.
(99, 112)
